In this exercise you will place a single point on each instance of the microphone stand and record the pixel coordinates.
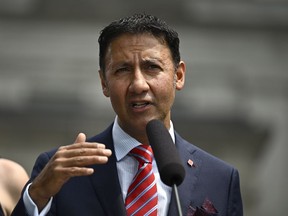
(177, 199)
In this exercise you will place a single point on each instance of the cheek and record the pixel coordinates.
(166, 92)
(116, 93)
(116, 103)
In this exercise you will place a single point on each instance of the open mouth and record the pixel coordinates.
(140, 104)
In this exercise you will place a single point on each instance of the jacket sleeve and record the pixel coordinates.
(40, 163)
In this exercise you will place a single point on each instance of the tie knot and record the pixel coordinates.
(143, 153)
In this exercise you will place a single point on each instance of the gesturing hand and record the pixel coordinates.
(67, 162)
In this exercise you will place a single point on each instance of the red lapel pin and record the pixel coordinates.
(190, 163)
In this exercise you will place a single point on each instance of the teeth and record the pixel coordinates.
(139, 104)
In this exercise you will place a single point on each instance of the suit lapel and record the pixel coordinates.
(105, 180)
(185, 190)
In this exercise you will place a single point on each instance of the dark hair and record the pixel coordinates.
(138, 24)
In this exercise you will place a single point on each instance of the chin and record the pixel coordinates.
(139, 124)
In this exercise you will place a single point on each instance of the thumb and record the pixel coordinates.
(80, 138)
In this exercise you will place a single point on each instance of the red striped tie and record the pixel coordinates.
(142, 195)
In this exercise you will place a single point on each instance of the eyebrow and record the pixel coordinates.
(145, 61)
(153, 60)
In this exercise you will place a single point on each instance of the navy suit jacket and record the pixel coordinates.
(100, 194)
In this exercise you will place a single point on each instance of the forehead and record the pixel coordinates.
(137, 43)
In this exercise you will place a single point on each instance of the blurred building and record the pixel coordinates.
(234, 103)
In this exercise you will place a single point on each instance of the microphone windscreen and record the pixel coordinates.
(166, 155)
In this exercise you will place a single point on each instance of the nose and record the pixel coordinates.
(138, 83)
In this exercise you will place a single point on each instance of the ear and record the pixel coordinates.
(104, 85)
(180, 76)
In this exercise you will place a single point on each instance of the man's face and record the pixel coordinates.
(141, 80)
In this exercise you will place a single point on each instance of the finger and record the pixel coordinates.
(80, 138)
(78, 149)
(85, 161)
(75, 171)
(83, 152)
(78, 166)
(84, 145)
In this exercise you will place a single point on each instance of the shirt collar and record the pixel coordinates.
(124, 143)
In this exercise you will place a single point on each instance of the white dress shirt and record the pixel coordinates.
(127, 167)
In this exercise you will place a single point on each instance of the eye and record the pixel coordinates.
(122, 69)
(153, 68)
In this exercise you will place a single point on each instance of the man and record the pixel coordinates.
(13, 177)
(140, 70)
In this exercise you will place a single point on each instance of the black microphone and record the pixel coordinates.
(166, 155)
(170, 167)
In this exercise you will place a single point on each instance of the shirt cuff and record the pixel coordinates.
(31, 207)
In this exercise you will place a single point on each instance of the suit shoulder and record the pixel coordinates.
(204, 156)
(103, 137)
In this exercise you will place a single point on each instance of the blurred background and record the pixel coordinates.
(234, 104)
